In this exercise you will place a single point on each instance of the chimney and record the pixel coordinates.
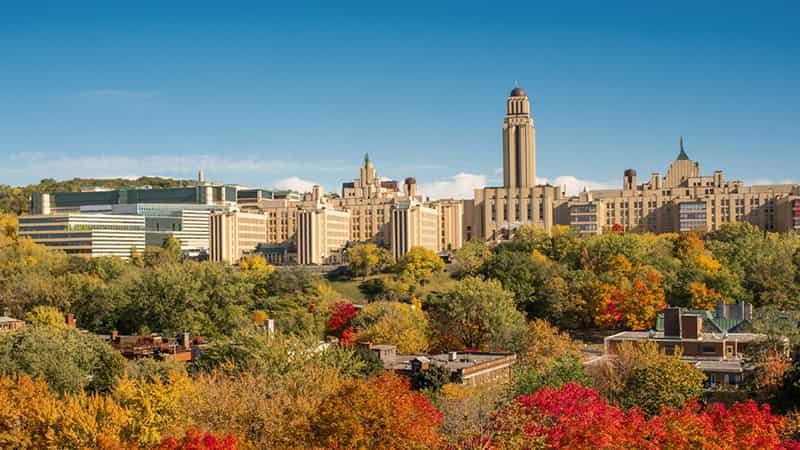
(672, 322)
(691, 326)
(721, 310)
(452, 356)
(114, 336)
(269, 325)
(69, 319)
(186, 341)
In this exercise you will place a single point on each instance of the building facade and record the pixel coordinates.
(496, 211)
(684, 200)
(413, 225)
(234, 232)
(90, 235)
(322, 234)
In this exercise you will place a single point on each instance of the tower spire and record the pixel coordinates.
(682, 156)
(366, 158)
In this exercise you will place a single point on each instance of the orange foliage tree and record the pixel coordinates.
(626, 295)
(379, 413)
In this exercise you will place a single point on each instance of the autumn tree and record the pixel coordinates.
(419, 264)
(395, 323)
(340, 320)
(257, 264)
(46, 316)
(367, 259)
(665, 382)
(195, 439)
(379, 413)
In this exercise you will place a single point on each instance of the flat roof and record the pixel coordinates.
(704, 337)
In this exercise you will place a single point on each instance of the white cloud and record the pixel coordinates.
(575, 185)
(461, 186)
(295, 184)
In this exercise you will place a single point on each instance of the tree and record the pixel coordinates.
(8, 228)
(339, 321)
(401, 324)
(46, 316)
(529, 378)
(256, 263)
(380, 413)
(172, 248)
(545, 344)
(431, 379)
(195, 439)
(471, 258)
(478, 314)
(155, 405)
(67, 359)
(666, 382)
(419, 264)
(367, 259)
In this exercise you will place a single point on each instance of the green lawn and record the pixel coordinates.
(349, 288)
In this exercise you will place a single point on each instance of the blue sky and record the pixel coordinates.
(274, 95)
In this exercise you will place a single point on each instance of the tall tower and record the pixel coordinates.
(519, 142)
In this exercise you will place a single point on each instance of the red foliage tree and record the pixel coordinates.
(339, 319)
(197, 440)
(576, 417)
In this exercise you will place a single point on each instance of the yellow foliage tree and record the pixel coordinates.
(46, 316)
(703, 297)
(419, 264)
(256, 263)
(154, 405)
(394, 323)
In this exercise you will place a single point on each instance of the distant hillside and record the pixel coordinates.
(17, 199)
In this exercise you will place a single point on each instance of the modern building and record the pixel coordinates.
(69, 202)
(496, 211)
(719, 354)
(683, 200)
(189, 223)
(89, 235)
(235, 232)
(413, 225)
(322, 234)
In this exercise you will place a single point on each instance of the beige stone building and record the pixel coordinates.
(683, 200)
(496, 211)
(235, 232)
(322, 234)
(413, 225)
(451, 223)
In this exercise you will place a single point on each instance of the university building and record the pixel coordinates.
(496, 211)
(684, 200)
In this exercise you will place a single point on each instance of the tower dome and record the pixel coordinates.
(517, 92)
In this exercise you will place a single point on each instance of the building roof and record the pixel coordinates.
(720, 366)
(517, 92)
(6, 319)
(707, 337)
(716, 324)
(682, 156)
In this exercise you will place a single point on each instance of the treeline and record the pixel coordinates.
(16, 199)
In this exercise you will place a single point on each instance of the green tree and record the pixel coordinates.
(67, 359)
(478, 314)
(172, 248)
(431, 379)
(529, 377)
(471, 258)
(419, 264)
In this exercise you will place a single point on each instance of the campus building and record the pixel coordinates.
(684, 200)
(90, 235)
(322, 234)
(711, 342)
(496, 211)
(413, 225)
(234, 232)
(70, 202)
